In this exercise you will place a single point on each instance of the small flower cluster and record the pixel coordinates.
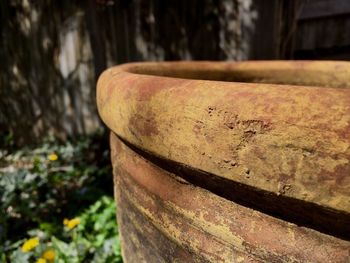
(71, 223)
(32, 243)
(53, 157)
(49, 254)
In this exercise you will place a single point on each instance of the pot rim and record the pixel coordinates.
(265, 71)
(291, 141)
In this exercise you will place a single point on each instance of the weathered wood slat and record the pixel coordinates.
(327, 33)
(324, 8)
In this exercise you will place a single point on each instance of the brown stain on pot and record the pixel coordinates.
(144, 126)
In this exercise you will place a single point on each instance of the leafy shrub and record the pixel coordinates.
(41, 186)
(92, 237)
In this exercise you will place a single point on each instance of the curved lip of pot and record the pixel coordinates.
(279, 127)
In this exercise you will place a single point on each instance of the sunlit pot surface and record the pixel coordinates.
(230, 161)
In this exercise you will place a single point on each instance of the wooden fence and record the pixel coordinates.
(52, 52)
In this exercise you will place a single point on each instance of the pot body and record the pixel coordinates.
(253, 169)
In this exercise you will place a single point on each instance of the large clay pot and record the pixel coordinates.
(230, 162)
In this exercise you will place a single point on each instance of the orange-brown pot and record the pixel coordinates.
(230, 162)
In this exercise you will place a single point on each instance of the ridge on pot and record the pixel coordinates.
(268, 136)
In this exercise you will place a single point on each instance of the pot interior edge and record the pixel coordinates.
(330, 74)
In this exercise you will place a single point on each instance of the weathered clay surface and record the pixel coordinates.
(282, 148)
(163, 218)
(287, 140)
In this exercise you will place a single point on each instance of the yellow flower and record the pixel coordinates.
(41, 260)
(49, 255)
(71, 223)
(65, 221)
(30, 244)
(53, 157)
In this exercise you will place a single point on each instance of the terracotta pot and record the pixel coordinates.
(230, 162)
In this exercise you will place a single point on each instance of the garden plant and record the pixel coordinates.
(57, 202)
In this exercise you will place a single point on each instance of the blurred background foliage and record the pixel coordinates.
(43, 185)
